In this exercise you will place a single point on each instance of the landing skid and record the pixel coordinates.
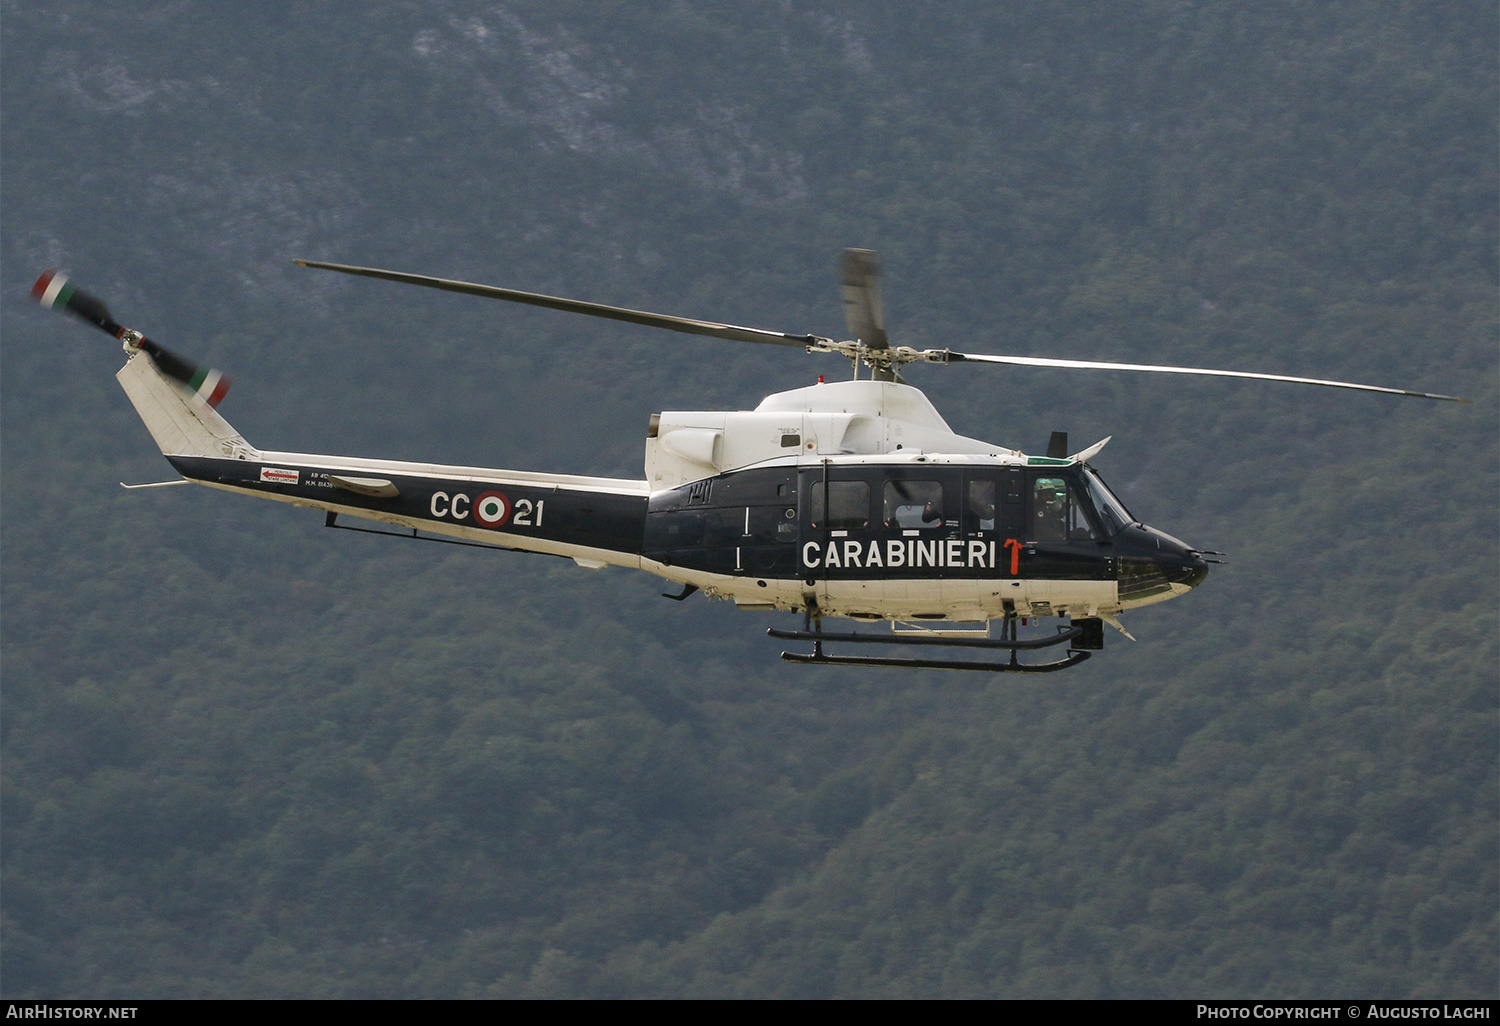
(1087, 634)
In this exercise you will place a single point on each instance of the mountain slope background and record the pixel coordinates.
(243, 756)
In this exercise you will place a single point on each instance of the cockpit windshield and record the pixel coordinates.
(1112, 512)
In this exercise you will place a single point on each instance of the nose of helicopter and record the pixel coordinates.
(1155, 567)
(1185, 575)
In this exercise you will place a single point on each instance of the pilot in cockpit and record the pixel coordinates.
(1050, 510)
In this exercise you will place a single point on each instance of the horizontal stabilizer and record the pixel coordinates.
(156, 484)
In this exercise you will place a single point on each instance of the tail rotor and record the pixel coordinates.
(54, 291)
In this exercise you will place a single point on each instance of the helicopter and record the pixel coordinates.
(849, 499)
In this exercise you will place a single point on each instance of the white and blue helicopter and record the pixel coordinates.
(851, 499)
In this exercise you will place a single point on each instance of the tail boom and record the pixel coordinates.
(594, 521)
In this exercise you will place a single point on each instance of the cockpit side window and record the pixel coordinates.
(1057, 513)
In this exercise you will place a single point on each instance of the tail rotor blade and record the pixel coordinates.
(55, 292)
(211, 384)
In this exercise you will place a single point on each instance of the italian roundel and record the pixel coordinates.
(491, 509)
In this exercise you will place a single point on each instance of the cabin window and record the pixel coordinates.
(1057, 515)
(913, 504)
(847, 505)
(981, 505)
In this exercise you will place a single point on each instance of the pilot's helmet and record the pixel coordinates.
(1051, 491)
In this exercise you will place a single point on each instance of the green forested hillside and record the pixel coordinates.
(244, 756)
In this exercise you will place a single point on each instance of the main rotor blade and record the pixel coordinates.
(860, 277)
(1038, 361)
(614, 313)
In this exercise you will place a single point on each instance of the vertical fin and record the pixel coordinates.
(179, 418)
